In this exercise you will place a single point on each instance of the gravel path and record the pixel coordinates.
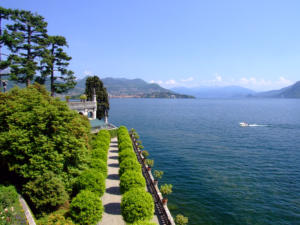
(112, 197)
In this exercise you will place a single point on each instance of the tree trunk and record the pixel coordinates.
(52, 73)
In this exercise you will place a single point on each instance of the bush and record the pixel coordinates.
(8, 196)
(145, 154)
(129, 164)
(56, 218)
(124, 145)
(47, 192)
(126, 153)
(131, 179)
(166, 189)
(99, 153)
(181, 220)
(86, 208)
(113, 133)
(137, 204)
(41, 134)
(92, 180)
(98, 165)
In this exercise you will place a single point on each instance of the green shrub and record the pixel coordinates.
(129, 164)
(145, 154)
(181, 220)
(98, 165)
(8, 196)
(125, 144)
(92, 180)
(56, 218)
(166, 189)
(131, 179)
(137, 204)
(144, 222)
(126, 153)
(99, 153)
(113, 133)
(46, 192)
(86, 208)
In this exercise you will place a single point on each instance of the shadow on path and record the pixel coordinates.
(113, 176)
(113, 191)
(116, 165)
(114, 151)
(113, 157)
(113, 208)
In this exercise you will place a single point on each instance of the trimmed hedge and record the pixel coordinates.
(99, 153)
(91, 179)
(136, 205)
(126, 153)
(86, 208)
(98, 165)
(131, 179)
(129, 164)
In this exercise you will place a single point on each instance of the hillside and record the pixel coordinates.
(215, 92)
(126, 88)
(292, 91)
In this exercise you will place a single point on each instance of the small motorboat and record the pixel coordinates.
(243, 124)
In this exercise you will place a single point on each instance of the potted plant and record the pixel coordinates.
(145, 154)
(157, 175)
(181, 220)
(165, 189)
(83, 98)
(67, 98)
(150, 163)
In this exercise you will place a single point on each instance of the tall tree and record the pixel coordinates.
(4, 15)
(56, 60)
(94, 83)
(29, 33)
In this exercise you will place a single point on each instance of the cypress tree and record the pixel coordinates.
(94, 83)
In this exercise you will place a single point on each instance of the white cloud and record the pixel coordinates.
(170, 82)
(284, 81)
(156, 82)
(189, 79)
(88, 73)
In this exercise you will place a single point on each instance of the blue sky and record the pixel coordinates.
(255, 44)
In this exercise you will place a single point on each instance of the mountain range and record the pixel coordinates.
(292, 91)
(126, 88)
(138, 88)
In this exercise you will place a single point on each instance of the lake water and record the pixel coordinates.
(222, 173)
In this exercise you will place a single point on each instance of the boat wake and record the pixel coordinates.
(243, 124)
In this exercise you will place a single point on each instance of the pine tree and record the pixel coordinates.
(4, 64)
(29, 34)
(56, 60)
(94, 83)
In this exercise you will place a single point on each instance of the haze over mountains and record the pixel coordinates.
(138, 88)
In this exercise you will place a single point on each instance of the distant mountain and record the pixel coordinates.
(215, 92)
(292, 91)
(125, 88)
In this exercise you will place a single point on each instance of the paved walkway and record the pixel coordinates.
(111, 199)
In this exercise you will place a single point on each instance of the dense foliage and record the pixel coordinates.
(92, 180)
(131, 179)
(144, 222)
(46, 192)
(92, 85)
(137, 204)
(56, 218)
(86, 208)
(40, 135)
(129, 164)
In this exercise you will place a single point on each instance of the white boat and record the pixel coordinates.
(243, 124)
